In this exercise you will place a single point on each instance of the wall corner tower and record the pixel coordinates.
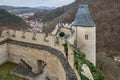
(85, 28)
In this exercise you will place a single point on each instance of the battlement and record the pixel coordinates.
(36, 38)
(67, 25)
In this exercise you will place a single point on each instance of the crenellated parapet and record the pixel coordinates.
(37, 38)
(67, 29)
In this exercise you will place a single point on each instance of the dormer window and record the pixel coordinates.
(86, 36)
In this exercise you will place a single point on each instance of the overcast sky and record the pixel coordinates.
(35, 3)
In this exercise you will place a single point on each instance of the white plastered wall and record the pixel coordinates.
(87, 46)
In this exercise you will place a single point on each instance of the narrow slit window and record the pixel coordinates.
(86, 37)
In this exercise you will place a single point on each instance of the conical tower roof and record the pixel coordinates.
(83, 17)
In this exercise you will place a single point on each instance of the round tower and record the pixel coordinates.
(85, 38)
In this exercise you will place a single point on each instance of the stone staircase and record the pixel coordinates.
(23, 70)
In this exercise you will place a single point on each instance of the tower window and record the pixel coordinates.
(86, 37)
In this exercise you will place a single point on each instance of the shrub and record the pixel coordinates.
(79, 60)
(61, 34)
(66, 49)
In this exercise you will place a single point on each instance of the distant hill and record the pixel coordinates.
(20, 10)
(45, 7)
(10, 21)
(47, 15)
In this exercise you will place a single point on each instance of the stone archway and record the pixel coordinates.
(41, 66)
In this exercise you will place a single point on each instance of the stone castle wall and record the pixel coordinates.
(40, 40)
(32, 55)
(3, 48)
(3, 54)
(32, 50)
(14, 47)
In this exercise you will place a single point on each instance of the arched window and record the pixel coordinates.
(86, 37)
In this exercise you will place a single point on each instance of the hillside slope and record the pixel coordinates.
(21, 10)
(108, 66)
(10, 21)
(106, 14)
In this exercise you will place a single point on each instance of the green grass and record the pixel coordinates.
(5, 72)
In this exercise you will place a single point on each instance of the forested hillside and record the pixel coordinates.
(106, 14)
(10, 21)
(47, 15)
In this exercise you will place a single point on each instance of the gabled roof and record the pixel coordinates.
(83, 17)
